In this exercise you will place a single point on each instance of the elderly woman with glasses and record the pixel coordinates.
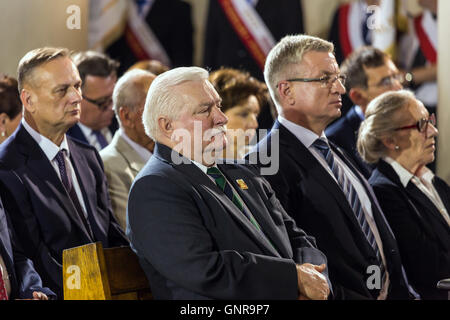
(398, 136)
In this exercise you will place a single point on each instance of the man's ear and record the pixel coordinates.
(358, 96)
(125, 119)
(26, 96)
(285, 92)
(165, 127)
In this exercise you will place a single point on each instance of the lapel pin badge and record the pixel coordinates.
(242, 184)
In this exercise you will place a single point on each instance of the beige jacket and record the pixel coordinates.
(122, 164)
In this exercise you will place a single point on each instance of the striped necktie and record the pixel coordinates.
(352, 197)
(223, 184)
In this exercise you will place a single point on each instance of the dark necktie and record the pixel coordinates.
(352, 197)
(67, 182)
(100, 138)
(223, 184)
(3, 293)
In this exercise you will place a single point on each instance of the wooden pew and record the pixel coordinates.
(93, 273)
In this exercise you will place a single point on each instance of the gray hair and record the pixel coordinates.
(129, 92)
(35, 58)
(381, 120)
(162, 100)
(287, 53)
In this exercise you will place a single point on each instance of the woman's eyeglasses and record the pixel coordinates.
(421, 125)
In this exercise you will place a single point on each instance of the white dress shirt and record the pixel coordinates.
(307, 138)
(92, 138)
(424, 183)
(144, 153)
(51, 150)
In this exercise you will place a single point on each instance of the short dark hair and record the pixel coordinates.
(34, 59)
(9, 97)
(234, 86)
(94, 64)
(353, 66)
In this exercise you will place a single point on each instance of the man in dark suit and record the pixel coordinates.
(53, 186)
(17, 275)
(98, 74)
(369, 72)
(316, 183)
(208, 231)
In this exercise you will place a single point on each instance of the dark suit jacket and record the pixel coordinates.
(422, 233)
(223, 47)
(344, 133)
(24, 279)
(171, 22)
(315, 201)
(76, 133)
(193, 242)
(41, 210)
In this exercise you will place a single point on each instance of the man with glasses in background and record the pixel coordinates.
(317, 184)
(99, 75)
(369, 72)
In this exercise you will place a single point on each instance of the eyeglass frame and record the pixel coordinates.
(100, 103)
(397, 77)
(431, 119)
(323, 79)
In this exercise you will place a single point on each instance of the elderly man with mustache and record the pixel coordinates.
(204, 230)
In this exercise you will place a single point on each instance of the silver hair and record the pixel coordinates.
(381, 119)
(129, 92)
(162, 100)
(287, 54)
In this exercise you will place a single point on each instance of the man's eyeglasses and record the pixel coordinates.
(388, 82)
(421, 125)
(326, 81)
(103, 103)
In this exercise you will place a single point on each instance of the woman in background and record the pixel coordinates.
(399, 136)
(10, 107)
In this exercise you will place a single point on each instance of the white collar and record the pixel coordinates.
(306, 136)
(48, 147)
(143, 153)
(404, 175)
(202, 166)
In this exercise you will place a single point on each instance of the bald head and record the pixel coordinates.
(131, 90)
(129, 98)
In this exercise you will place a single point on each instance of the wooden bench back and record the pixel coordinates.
(93, 273)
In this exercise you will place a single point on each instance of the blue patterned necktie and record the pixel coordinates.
(352, 197)
(100, 138)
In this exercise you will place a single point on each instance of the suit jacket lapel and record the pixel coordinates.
(40, 166)
(415, 193)
(135, 162)
(305, 159)
(198, 178)
(86, 182)
(257, 208)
